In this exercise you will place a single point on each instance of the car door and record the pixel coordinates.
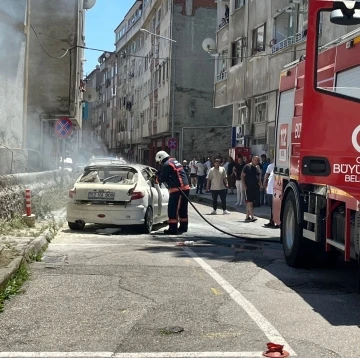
(163, 195)
(153, 193)
(165, 200)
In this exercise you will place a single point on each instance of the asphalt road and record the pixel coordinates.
(121, 295)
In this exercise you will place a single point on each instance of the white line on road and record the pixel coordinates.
(268, 329)
(130, 355)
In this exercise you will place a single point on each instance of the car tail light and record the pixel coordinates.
(72, 192)
(137, 195)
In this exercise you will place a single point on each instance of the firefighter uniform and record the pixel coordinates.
(173, 174)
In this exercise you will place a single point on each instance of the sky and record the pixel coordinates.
(100, 23)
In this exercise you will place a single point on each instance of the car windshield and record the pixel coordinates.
(121, 176)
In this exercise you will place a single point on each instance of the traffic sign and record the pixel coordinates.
(172, 143)
(63, 127)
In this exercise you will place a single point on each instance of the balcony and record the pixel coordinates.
(289, 41)
(221, 76)
(223, 24)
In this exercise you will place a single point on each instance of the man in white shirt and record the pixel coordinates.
(217, 180)
(193, 171)
(269, 184)
(201, 169)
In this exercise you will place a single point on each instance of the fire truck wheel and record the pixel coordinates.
(291, 233)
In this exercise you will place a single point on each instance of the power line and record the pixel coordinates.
(58, 58)
(194, 60)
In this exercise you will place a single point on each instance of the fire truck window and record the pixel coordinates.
(335, 46)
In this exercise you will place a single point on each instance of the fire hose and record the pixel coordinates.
(154, 177)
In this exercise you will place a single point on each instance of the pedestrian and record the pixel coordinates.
(186, 169)
(192, 165)
(239, 166)
(217, 181)
(263, 166)
(251, 182)
(269, 185)
(201, 170)
(209, 165)
(230, 175)
(172, 173)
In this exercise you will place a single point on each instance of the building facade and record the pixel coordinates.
(254, 43)
(13, 82)
(55, 78)
(160, 82)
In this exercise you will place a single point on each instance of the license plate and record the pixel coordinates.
(101, 195)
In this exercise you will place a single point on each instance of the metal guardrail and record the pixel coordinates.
(291, 40)
(221, 76)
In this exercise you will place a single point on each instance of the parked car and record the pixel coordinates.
(117, 194)
(106, 160)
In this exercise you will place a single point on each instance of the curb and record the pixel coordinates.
(208, 202)
(34, 248)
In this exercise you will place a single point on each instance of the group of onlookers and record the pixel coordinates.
(253, 181)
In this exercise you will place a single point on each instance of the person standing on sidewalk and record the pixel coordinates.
(201, 175)
(251, 181)
(269, 185)
(231, 175)
(239, 166)
(192, 166)
(217, 181)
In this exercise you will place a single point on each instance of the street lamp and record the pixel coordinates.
(172, 151)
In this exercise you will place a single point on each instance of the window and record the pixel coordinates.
(238, 4)
(258, 44)
(261, 103)
(237, 52)
(163, 72)
(163, 107)
(159, 16)
(155, 111)
(222, 66)
(159, 75)
(167, 70)
(243, 112)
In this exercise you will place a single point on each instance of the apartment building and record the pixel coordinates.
(254, 42)
(160, 81)
(55, 78)
(13, 79)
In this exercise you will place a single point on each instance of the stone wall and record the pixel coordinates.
(45, 191)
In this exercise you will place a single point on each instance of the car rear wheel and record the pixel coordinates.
(76, 226)
(149, 221)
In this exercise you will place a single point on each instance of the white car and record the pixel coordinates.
(117, 194)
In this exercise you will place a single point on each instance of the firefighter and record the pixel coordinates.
(173, 174)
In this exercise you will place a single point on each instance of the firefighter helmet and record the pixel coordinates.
(160, 156)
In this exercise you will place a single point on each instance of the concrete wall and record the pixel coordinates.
(53, 82)
(42, 185)
(12, 67)
(193, 22)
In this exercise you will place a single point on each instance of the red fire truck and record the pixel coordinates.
(317, 163)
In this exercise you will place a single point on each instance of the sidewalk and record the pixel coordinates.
(205, 198)
(26, 244)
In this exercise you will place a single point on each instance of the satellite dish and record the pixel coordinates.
(88, 4)
(208, 45)
(89, 95)
(107, 55)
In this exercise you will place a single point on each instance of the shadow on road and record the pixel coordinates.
(331, 292)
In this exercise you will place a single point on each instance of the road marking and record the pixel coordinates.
(267, 328)
(216, 292)
(129, 355)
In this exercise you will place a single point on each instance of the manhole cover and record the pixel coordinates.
(53, 259)
(171, 330)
